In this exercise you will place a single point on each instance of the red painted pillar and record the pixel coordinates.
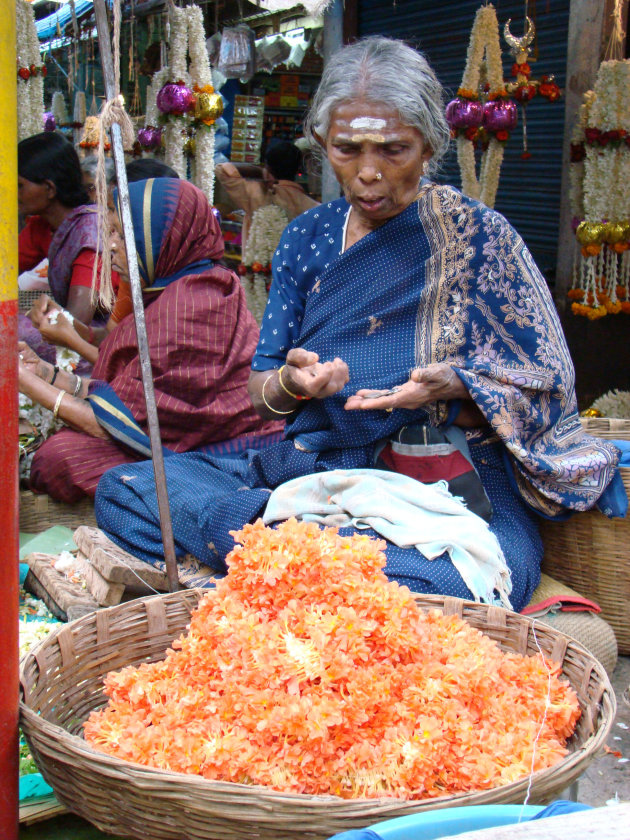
(8, 430)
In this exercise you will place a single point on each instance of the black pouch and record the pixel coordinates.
(429, 454)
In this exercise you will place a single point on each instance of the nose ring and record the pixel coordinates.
(378, 176)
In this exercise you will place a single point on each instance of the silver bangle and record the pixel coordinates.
(78, 386)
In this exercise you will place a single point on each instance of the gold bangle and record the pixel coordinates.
(286, 390)
(60, 396)
(270, 407)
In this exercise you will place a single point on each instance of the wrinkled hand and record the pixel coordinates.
(42, 307)
(30, 366)
(304, 374)
(28, 358)
(425, 385)
(60, 332)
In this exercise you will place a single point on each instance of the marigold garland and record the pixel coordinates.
(305, 670)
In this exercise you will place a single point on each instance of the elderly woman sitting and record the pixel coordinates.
(409, 340)
(201, 340)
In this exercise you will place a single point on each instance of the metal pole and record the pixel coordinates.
(9, 623)
(333, 40)
(102, 27)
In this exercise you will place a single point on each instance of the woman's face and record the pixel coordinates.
(117, 246)
(34, 199)
(377, 159)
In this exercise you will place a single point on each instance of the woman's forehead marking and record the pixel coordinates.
(367, 124)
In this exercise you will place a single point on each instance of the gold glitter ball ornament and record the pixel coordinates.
(208, 107)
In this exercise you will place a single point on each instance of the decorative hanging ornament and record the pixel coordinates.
(175, 99)
(150, 137)
(477, 115)
(524, 89)
(600, 200)
(208, 107)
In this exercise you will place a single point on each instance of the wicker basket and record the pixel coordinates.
(39, 512)
(591, 553)
(607, 427)
(61, 681)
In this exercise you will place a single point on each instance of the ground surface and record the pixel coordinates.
(606, 779)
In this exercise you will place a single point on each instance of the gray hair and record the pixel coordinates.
(388, 71)
(90, 164)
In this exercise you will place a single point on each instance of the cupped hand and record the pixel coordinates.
(42, 307)
(437, 381)
(304, 374)
(60, 332)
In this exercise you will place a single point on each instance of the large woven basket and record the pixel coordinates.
(61, 681)
(591, 553)
(38, 512)
(607, 427)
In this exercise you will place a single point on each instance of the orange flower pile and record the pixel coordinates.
(306, 671)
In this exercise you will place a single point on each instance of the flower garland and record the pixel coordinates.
(187, 101)
(307, 671)
(31, 72)
(58, 109)
(267, 225)
(600, 203)
(485, 110)
(466, 113)
(208, 104)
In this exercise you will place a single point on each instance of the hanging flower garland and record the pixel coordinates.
(600, 202)
(187, 102)
(30, 71)
(472, 120)
(208, 104)
(485, 110)
(58, 109)
(267, 225)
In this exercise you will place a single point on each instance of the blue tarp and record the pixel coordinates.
(47, 27)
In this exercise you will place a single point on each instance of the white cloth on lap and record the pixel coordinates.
(405, 512)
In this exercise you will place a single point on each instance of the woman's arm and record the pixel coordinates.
(434, 383)
(42, 383)
(302, 377)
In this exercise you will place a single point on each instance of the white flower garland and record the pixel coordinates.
(600, 195)
(201, 76)
(267, 225)
(58, 108)
(484, 41)
(484, 37)
(614, 404)
(30, 92)
(159, 79)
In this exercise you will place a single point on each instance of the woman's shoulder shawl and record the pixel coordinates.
(78, 231)
(488, 312)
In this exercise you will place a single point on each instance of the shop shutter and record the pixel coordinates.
(529, 190)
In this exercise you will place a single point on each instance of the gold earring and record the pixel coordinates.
(378, 176)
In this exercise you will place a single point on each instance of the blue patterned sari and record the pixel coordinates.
(445, 281)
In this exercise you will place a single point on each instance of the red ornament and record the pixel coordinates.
(43, 70)
(502, 135)
(521, 69)
(24, 73)
(257, 267)
(525, 93)
(242, 269)
(33, 70)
